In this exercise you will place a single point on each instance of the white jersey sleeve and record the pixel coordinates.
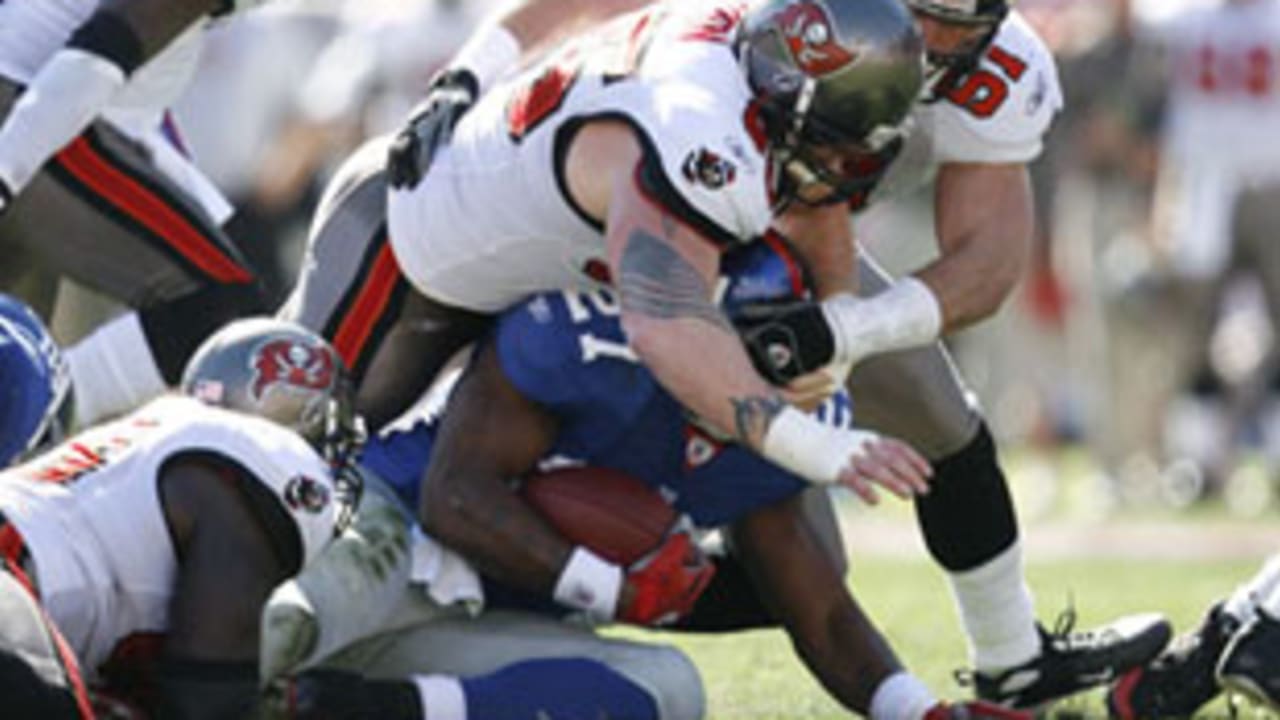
(1001, 111)
(713, 170)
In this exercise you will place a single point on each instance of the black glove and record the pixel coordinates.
(450, 96)
(785, 339)
(338, 695)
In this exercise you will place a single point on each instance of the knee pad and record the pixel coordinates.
(175, 328)
(968, 518)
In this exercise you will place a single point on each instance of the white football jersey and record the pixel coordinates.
(1220, 123)
(999, 114)
(491, 222)
(90, 513)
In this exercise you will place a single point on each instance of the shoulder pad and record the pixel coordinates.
(999, 114)
(703, 161)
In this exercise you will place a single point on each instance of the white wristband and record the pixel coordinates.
(589, 583)
(441, 696)
(901, 696)
(491, 52)
(807, 447)
(60, 102)
(904, 316)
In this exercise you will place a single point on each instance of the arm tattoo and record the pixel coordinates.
(752, 415)
(654, 280)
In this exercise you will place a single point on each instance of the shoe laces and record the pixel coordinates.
(1064, 637)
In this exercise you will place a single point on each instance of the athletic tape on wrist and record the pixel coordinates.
(901, 696)
(589, 583)
(442, 697)
(809, 448)
(904, 316)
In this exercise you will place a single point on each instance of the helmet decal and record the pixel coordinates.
(291, 363)
(304, 494)
(709, 169)
(808, 31)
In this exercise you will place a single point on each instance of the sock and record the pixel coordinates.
(901, 696)
(1263, 589)
(558, 687)
(971, 530)
(442, 697)
(997, 612)
(112, 370)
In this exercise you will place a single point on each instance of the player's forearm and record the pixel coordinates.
(701, 362)
(984, 222)
(823, 237)
(479, 515)
(972, 281)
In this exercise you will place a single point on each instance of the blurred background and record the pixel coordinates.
(1135, 371)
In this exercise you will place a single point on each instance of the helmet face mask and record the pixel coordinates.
(831, 74)
(974, 23)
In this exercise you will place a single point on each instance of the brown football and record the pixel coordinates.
(613, 514)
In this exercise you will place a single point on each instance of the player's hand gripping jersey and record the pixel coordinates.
(492, 222)
(89, 513)
(997, 114)
(566, 352)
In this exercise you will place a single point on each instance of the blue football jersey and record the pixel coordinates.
(567, 352)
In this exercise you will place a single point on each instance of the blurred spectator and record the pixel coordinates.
(1217, 201)
(1093, 188)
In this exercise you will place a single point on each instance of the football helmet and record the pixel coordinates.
(833, 80)
(986, 14)
(36, 404)
(282, 372)
(767, 271)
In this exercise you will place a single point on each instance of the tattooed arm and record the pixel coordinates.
(665, 274)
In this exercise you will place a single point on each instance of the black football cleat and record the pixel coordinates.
(1250, 665)
(1181, 680)
(1072, 661)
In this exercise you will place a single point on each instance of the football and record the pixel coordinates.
(607, 511)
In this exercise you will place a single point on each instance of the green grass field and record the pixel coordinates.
(756, 674)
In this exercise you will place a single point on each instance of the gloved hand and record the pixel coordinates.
(337, 695)
(431, 123)
(664, 585)
(975, 710)
(785, 340)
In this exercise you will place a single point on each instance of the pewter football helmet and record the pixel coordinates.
(835, 74)
(282, 372)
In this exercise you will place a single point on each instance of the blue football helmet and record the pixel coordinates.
(766, 271)
(36, 404)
